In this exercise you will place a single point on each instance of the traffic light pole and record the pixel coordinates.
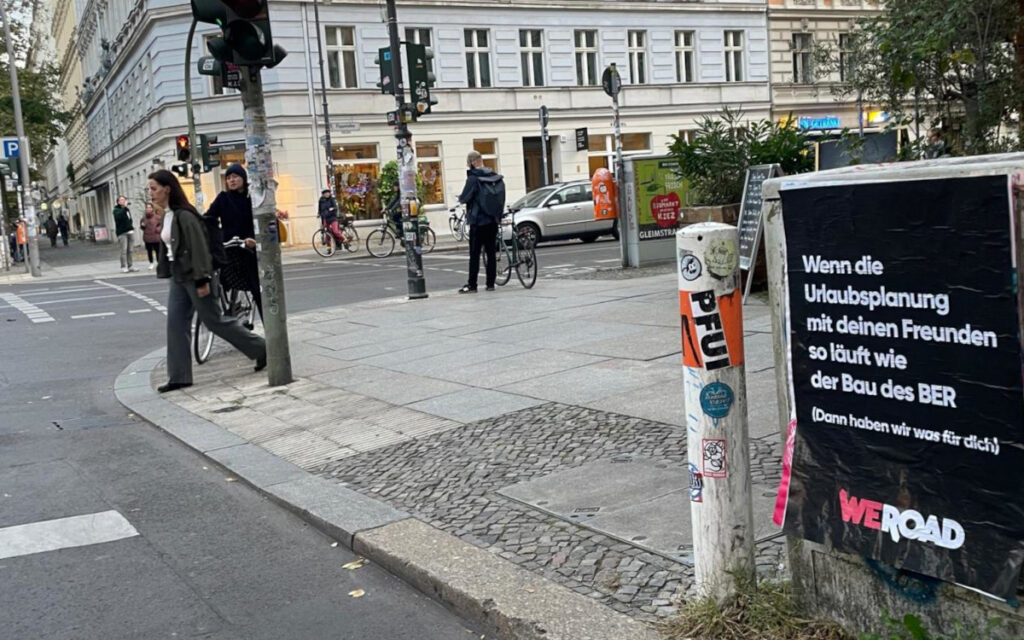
(24, 153)
(262, 191)
(193, 146)
(406, 168)
(328, 149)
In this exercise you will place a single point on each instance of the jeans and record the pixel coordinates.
(482, 236)
(125, 244)
(182, 301)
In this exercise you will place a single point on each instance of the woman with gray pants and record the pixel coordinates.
(185, 258)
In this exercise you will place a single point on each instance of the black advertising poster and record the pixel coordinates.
(906, 370)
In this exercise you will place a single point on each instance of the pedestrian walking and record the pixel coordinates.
(62, 227)
(327, 209)
(124, 229)
(231, 211)
(51, 230)
(185, 259)
(151, 225)
(484, 197)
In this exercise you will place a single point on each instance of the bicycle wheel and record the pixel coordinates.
(504, 264)
(240, 304)
(323, 243)
(380, 243)
(427, 239)
(458, 226)
(202, 341)
(351, 232)
(526, 267)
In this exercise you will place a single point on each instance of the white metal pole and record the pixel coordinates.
(711, 309)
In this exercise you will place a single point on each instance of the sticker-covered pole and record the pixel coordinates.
(711, 309)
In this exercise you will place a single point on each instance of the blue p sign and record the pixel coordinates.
(11, 148)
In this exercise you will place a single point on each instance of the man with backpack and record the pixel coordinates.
(484, 197)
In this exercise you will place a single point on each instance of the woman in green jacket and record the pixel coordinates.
(185, 258)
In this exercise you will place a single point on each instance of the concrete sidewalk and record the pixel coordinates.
(518, 454)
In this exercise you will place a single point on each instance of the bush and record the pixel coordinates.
(387, 181)
(716, 160)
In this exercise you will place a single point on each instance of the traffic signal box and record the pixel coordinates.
(245, 31)
(421, 79)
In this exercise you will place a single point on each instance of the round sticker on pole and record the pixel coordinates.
(611, 81)
(716, 399)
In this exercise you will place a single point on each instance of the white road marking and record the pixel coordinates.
(138, 296)
(31, 311)
(64, 533)
(57, 292)
(559, 266)
(83, 299)
(93, 315)
(140, 311)
(606, 261)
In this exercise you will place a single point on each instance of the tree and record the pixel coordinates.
(41, 107)
(950, 65)
(387, 184)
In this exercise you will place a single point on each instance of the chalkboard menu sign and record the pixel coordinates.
(750, 212)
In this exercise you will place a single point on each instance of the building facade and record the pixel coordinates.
(495, 63)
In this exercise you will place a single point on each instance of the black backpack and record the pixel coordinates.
(491, 198)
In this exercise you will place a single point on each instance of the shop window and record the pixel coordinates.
(488, 149)
(601, 153)
(356, 169)
(428, 166)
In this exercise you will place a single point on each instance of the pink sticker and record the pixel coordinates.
(782, 498)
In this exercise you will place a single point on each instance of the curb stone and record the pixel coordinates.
(511, 602)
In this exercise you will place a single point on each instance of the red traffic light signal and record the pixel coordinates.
(182, 147)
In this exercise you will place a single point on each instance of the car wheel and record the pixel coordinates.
(529, 232)
(588, 239)
(615, 229)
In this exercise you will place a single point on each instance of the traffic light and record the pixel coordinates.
(421, 79)
(180, 169)
(209, 153)
(181, 144)
(245, 26)
(383, 62)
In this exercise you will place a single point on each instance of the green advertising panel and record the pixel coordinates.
(660, 196)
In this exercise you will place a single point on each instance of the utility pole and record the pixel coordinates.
(406, 167)
(543, 113)
(24, 153)
(193, 140)
(612, 84)
(328, 149)
(262, 191)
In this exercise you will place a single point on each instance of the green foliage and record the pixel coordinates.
(387, 181)
(910, 627)
(764, 611)
(716, 159)
(952, 65)
(41, 109)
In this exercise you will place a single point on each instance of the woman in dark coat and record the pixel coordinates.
(232, 210)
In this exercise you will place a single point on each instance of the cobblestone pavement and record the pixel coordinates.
(451, 481)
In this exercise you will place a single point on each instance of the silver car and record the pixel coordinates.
(560, 211)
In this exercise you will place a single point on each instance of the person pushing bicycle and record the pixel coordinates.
(328, 212)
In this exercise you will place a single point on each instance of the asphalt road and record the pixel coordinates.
(110, 529)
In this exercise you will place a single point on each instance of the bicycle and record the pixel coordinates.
(235, 300)
(457, 223)
(381, 241)
(324, 242)
(514, 251)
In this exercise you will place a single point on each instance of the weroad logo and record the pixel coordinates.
(909, 524)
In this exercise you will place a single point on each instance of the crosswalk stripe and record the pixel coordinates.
(31, 311)
(138, 296)
(93, 315)
(64, 533)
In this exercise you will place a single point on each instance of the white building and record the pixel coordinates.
(496, 63)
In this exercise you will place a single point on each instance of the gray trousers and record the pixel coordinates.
(182, 300)
(124, 246)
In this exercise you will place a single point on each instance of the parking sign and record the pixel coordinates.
(10, 147)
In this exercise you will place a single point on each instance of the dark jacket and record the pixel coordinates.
(475, 215)
(122, 220)
(327, 210)
(51, 227)
(190, 246)
(233, 209)
(62, 225)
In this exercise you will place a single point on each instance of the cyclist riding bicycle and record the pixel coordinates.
(229, 216)
(328, 211)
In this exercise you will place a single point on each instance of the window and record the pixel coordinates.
(734, 56)
(684, 57)
(489, 150)
(586, 57)
(601, 152)
(802, 58)
(341, 57)
(356, 167)
(846, 57)
(638, 57)
(572, 194)
(478, 58)
(531, 54)
(418, 35)
(428, 169)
